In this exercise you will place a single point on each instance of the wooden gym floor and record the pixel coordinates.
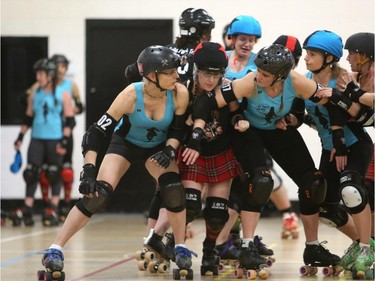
(104, 250)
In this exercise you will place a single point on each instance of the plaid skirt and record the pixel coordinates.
(210, 169)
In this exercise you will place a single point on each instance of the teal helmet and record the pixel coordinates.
(245, 25)
(325, 41)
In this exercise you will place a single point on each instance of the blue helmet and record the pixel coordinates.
(325, 41)
(245, 25)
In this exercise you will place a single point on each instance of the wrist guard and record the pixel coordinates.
(64, 142)
(195, 139)
(340, 100)
(353, 92)
(19, 138)
(88, 179)
(338, 139)
(165, 156)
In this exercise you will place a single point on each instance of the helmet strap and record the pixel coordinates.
(156, 82)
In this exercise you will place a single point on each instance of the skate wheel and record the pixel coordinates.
(190, 275)
(176, 274)
(149, 256)
(48, 276)
(139, 255)
(269, 262)
(304, 270)
(40, 274)
(369, 274)
(251, 274)
(328, 271)
(183, 272)
(295, 235)
(152, 267)
(142, 265)
(361, 274)
(263, 274)
(162, 268)
(62, 277)
(238, 273)
(285, 234)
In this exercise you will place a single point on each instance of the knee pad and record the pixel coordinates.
(31, 174)
(353, 193)
(43, 179)
(314, 189)
(53, 174)
(155, 205)
(333, 215)
(369, 184)
(67, 175)
(216, 213)
(260, 187)
(193, 204)
(90, 206)
(172, 192)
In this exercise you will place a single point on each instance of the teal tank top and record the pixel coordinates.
(47, 122)
(262, 111)
(250, 67)
(145, 132)
(319, 114)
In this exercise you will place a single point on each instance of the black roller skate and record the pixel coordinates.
(53, 261)
(64, 210)
(228, 253)
(251, 264)
(264, 251)
(210, 259)
(183, 261)
(24, 215)
(316, 256)
(169, 247)
(50, 216)
(153, 255)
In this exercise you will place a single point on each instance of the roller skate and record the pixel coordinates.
(183, 261)
(264, 251)
(50, 216)
(290, 225)
(316, 256)
(64, 210)
(53, 261)
(251, 264)
(24, 215)
(4, 217)
(363, 267)
(169, 247)
(228, 254)
(350, 255)
(152, 257)
(210, 259)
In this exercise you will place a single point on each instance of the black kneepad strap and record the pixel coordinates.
(193, 204)
(333, 215)
(89, 206)
(53, 174)
(172, 192)
(216, 213)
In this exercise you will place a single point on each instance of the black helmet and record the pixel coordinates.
(211, 57)
(155, 59)
(60, 59)
(362, 42)
(275, 59)
(49, 66)
(193, 22)
(291, 43)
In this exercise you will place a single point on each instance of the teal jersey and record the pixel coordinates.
(67, 86)
(263, 111)
(47, 122)
(319, 114)
(143, 131)
(249, 67)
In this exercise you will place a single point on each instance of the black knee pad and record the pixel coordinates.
(260, 187)
(31, 174)
(53, 174)
(193, 204)
(313, 192)
(155, 205)
(333, 214)
(369, 184)
(352, 191)
(172, 192)
(90, 206)
(216, 213)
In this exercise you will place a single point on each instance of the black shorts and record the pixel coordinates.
(131, 152)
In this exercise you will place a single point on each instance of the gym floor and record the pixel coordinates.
(105, 250)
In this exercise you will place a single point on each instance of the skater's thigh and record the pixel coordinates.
(112, 169)
(36, 152)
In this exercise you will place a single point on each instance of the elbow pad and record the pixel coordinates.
(70, 122)
(203, 105)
